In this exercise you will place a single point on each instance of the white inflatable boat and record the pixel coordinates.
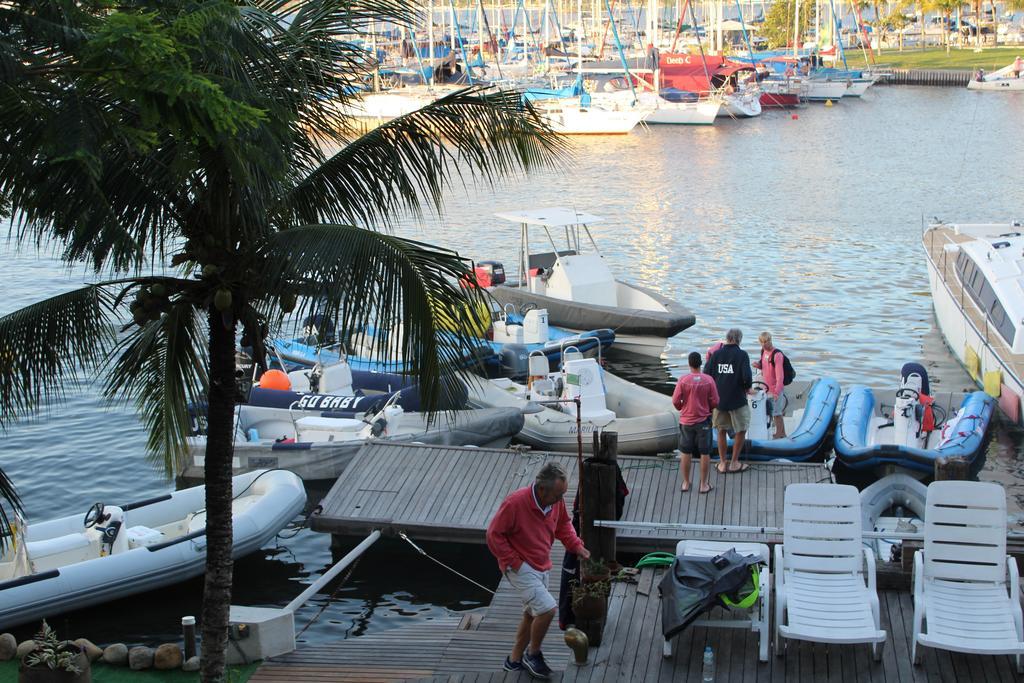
(895, 502)
(645, 420)
(73, 562)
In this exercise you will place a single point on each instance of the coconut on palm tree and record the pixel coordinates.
(193, 152)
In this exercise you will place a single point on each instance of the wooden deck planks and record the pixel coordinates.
(446, 493)
(631, 651)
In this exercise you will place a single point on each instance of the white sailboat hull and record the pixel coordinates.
(702, 113)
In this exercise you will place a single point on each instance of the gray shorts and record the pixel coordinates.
(532, 587)
(777, 407)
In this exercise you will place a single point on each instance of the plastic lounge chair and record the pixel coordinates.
(759, 612)
(824, 576)
(966, 588)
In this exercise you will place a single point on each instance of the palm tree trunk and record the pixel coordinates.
(219, 452)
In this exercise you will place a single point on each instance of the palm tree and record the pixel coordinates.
(195, 150)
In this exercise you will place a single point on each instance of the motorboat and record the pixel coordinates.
(808, 419)
(976, 273)
(308, 350)
(578, 290)
(910, 427)
(515, 337)
(645, 421)
(48, 568)
(317, 433)
(1006, 79)
(894, 503)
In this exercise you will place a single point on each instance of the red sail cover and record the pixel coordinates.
(688, 72)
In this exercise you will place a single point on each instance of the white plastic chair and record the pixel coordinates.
(966, 588)
(824, 576)
(760, 612)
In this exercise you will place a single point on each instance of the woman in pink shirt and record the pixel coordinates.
(695, 396)
(770, 364)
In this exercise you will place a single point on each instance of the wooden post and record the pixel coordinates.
(951, 469)
(598, 486)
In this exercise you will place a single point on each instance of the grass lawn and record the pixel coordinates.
(101, 673)
(990, 59)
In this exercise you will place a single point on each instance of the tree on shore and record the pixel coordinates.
(197, 153)
(779, 20)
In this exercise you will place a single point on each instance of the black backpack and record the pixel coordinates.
(788, 373)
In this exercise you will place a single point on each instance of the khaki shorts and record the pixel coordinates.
(532, 587)
(737, 420)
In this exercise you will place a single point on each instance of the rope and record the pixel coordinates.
(330, 598)
(427, 555)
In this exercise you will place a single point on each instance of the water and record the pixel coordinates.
(806, 227)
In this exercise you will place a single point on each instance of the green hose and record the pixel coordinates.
(659, 559)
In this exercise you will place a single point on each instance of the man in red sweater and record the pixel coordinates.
(695, 397)
(520, 536)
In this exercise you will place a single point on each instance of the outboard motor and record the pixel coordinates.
(760, 421)
(906, 414)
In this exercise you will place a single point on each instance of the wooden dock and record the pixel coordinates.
(473, 648)
(443, 493)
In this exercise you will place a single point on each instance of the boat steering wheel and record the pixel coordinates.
(907, 392)
(93, 516)
(759, 385)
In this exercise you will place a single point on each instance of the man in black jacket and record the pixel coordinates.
(730, 368)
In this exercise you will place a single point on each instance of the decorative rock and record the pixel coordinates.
(191, 664)
(140, 658)
(167, 657)
(8, 647)
(116, 654)
(91, 650)
(24, 648)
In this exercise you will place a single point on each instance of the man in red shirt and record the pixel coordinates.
(520, 536)
(695, 396)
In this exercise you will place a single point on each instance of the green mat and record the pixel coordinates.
(103, 673)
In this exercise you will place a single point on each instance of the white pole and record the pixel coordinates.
(430, 42)
(333, 571)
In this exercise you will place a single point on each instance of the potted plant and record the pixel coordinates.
(595, 570)
(590, 599)
(54, 661)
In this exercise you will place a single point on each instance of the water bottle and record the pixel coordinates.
(708, 672)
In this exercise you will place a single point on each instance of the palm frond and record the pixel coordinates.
(45, 346)
(405, 289)
(161, 367)
(411, 160)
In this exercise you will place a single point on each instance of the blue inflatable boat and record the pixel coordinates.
(810, 409)
(877, 428)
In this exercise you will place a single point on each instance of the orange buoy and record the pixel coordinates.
(795, 116)
(275, 379)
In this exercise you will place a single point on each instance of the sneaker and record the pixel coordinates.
(535, 665)
(509, 665)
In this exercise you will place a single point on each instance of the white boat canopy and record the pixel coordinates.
(554, 217)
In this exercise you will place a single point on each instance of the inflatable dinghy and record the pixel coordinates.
(909, 427)
(645, 420)
(896, 502)
(69, 563)
(808, 417)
